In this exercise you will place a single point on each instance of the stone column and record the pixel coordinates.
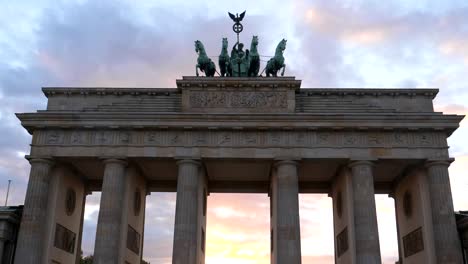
(400, 259)
(2, 247)
(366, 232)
(80, 234)
(108, 234)
(446, 240)
(30, 246)
(189, 229)
(286, 237)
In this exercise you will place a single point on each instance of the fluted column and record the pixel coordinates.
(398, 230)
(2, 247)
(446, 240)
(80, 234)
(188, 226)
(108, 234)
(365, 215)
(286, 237)
(30, 246)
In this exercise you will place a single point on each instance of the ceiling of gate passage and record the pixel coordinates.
(245, 175)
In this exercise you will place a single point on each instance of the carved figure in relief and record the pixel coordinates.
(350, 139)
(250, 138)
(77, 138)
(275, 138)
(424, 139)
(225, 138)
(375, 139)
(175, 139)
(152, 137)
(398, 138)
(125, 137)
(53, 138)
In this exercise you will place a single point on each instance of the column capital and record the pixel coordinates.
(118, 160)
(442, 162)
(47, 160)
(188, 161)
(286, 161)
(354, 163)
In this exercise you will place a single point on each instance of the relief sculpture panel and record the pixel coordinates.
(243, 99)
(246, 138)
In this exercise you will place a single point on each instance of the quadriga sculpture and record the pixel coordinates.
(254, 58)
(204, 63)
(277, 62)
(224, 60)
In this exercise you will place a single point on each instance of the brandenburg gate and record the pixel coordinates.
(247, 135)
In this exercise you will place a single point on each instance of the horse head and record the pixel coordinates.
(225, 43)
(196, 46)
(255, 40)
(199, 46)
(282, 44)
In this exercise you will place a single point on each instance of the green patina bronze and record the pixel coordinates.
(239, 63)
(204, 63)
(224, 61)
(254, 58)
(277, 62)
(239, 60)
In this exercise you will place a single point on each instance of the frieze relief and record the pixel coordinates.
(240, 138)
(238, 99)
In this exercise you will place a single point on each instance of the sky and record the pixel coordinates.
(127, 43)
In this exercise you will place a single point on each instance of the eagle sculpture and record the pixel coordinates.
(236, 18)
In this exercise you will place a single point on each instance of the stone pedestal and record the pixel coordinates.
(190, 217)
(446, 240)
(32, 233)
(240, 95)
(119, 236)
(285, 226)
(355, 217)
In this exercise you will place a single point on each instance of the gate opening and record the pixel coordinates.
(238, 229)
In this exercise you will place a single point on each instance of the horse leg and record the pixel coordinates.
(222, 68)
(229, 70)
(211, 69)
(196, 69)
(257, 68)
(284, 68)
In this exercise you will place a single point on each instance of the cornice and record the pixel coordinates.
(106, 91)
(229, 82)
(267, 83)
(294, 121)
(374, 92)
